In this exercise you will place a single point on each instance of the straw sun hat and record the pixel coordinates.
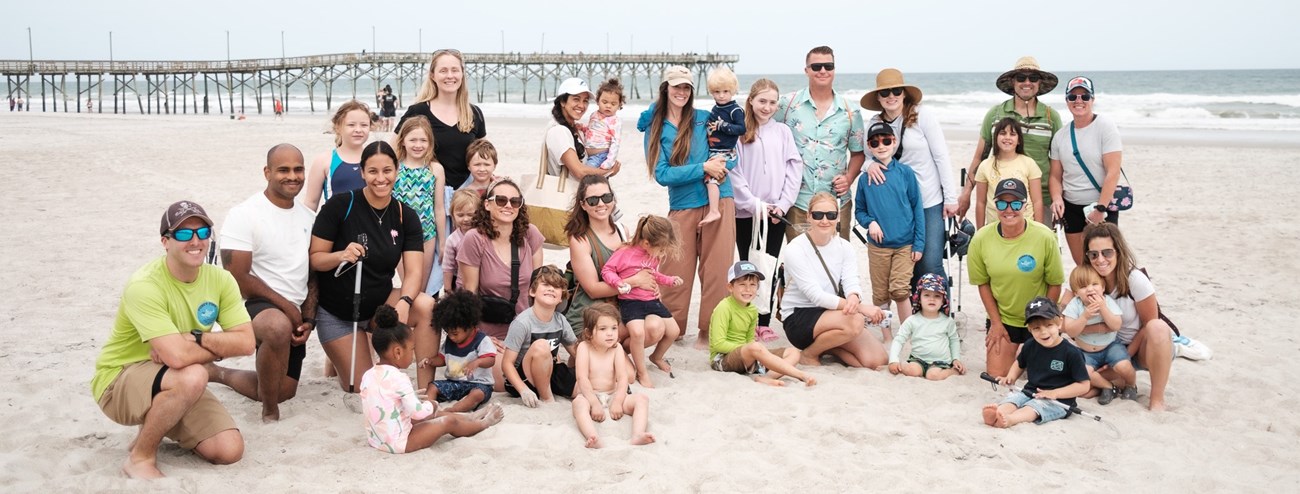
(1027, 64)
(889, 79)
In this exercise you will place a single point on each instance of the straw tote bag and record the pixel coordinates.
(548, 198)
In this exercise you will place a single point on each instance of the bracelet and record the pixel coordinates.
(309, 320)
(407, 299)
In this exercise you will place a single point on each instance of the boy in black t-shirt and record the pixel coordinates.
(1055, 369)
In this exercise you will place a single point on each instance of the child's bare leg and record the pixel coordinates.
(538, 365)
(1126, 373)
(911, 369)
(466, 404)
(777, 366)
(499, 376)
(1095, 378)
(670, 332)
(1019, 416)
(938, 374)
(713, 214)
(638, 406)
(424, 434)
(904, 310)
(635, 344)
(586, 427)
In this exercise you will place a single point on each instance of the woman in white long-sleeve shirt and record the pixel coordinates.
(822, 307)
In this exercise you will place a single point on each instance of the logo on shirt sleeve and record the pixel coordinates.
(206, 314)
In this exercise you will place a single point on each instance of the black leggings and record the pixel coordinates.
(772, 245)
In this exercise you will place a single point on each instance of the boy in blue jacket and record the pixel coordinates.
(894, 217)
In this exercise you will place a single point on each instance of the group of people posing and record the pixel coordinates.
(318, 250)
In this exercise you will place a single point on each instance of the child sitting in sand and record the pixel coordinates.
(1092, 319)
(732, 347)
(389, 401)
(1055, 370)
(481, 157)
(531, 367)
(604, 130)
(467, 353)
(602, 379)
(644, 315)
(936, 349)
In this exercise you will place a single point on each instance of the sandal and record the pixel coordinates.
(765, 334)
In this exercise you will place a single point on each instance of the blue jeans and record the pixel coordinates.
(1114, 353)
(935, 238)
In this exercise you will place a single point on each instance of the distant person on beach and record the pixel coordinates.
(602, 377)
(151, 371)
(13, 102)
(420, 185)
(1086, 160)
(733, 341)
(279, 108)
(828, 131)
(603, 133)
(340, 170)
(677, 156)
(90, 105)
(264, 245)
(444, 100)
(20, 103)
(1038, 124)
(387, 109)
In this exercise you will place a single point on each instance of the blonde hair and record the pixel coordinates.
(412, 124)
(751, 121)
(466, 198)
(722, 78)
(659, 233)
(342, 113)
(429, 91)
(1084, 275)
(823, 197)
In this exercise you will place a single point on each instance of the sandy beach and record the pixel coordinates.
(1212, 224)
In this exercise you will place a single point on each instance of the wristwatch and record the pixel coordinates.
(198, 336)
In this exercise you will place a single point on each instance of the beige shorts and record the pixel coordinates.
(891, 273)
(733, 361)
(128, 398)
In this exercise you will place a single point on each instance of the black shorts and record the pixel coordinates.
(1075, 220)
(563, 381)
(799, 326)
(388, 112)
(1017, 334)
(634, 310)
(297, 353)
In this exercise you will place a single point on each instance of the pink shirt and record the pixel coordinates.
(390, 404)
(627, 262)
(602, 132)
(494, 272)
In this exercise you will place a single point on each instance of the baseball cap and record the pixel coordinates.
(1011, 186)
(1041, 308)
(1080, 81)
(742, 269)
(879, 128)
(180, 211)
(678, 75)
(573, 85)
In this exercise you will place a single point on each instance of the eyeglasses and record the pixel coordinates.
(1107, 253)
(187, 234)
(885, 93)
(824, 215)
(1028, 77)
(1072, 97)
(606, 198)
(501, 201)
(883, 141)
(1002, 205)
(820, 66)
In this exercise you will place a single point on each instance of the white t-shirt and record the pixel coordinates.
(1098, 138)
(807, 284)
(1139, 288)
(278, 239)
(558, 140)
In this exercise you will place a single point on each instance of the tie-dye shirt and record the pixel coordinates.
(390, 405)
(824, 143)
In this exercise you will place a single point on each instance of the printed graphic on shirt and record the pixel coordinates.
(207, 313)
(1026, 263)
(1058, 365)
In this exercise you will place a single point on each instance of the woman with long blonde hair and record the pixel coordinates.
(444, 100)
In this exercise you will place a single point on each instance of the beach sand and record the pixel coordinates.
(1213, 225)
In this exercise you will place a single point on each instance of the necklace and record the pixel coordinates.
(380, 216)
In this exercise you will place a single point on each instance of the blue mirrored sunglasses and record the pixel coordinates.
(1015, 205)
(187, 234)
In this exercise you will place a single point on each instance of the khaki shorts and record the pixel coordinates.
(891, 273)
(733, 361)
(128, 398)
(798, 216)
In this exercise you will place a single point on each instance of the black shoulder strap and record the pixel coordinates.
(514, 272)
(839, 287)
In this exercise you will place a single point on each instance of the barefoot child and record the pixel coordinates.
(482, 163)
(1008, 162)
(532, 347)
(391, 405)
(604, 129)
(464, 205)
(894, 216)
(467, 353)
(936, 349)
(1055, 370)
(726, 123)
(1092, 319)
(732, 330)
(603, 377)
(646, 318)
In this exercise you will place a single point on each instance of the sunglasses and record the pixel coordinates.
(885, 93)
(1072, 97)
(824, 215)
(606, 198)
(820, 66)
(1002, 205)
(187, 234)
(1107, 253)
(501, 201)
(883, 141)
(1028, 77)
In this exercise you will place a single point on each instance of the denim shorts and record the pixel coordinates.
(1114, 353)
(452, 390)
(1047, 411)
(597, 159)
(330, 327)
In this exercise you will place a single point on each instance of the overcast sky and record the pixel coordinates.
(769, 36)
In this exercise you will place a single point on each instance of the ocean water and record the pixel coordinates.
(1250, 100)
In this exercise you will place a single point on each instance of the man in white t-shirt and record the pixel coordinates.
(264, 245)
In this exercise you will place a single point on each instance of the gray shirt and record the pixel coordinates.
(1098, 138)
(527, 329)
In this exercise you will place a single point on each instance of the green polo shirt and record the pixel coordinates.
(1038, 131)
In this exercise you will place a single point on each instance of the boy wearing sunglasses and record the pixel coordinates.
(151, 370)
(894, 216)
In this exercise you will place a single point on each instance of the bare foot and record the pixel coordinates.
(990, 413)
(701, 343)
(1157, 406)
(646, 382)
(270, 413)
(769, 381)
(663, 365)
(492, 415)
(642, 439)
(809, 380)
(710, 217)
(593, 442)
(143, 469)
(810, 361)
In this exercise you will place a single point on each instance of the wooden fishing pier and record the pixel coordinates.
(226, 86)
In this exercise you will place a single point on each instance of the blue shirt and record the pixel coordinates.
(685, 182)
(731, 125)
(895, 205)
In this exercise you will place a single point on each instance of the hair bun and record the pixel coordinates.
(385, 316)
